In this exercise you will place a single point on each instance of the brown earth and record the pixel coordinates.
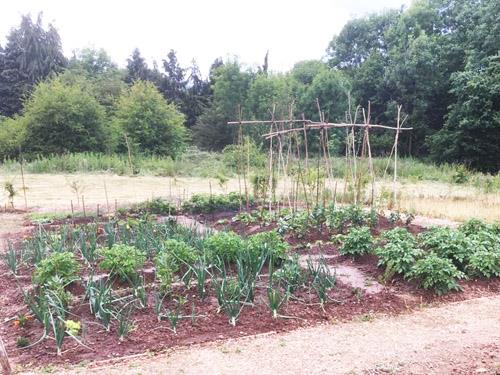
(477, 337)
(457, 338)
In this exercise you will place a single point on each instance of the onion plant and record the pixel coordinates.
(125, 324)
(276, 300)
(10, 258)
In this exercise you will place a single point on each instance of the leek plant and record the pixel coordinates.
(276, 300)
(10, 258)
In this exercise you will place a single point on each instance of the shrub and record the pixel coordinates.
(122, 260)
(224, 245)
(357, 242)
(484, 263)
(434, 272)
(447, 243)
(399, 252)
(267, 242)
(237, 156)
(63, 117)
(152, 124)
(63, 265)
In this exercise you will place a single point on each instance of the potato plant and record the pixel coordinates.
(357, 242)
(434, 272)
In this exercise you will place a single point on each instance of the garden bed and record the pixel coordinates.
(204, 319)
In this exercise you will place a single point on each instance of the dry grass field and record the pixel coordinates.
(54, 192)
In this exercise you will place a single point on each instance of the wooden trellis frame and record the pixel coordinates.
(278, 130)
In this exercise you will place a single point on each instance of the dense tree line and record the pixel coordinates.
(439, 59)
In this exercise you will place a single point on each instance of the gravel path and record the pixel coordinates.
(459, 338)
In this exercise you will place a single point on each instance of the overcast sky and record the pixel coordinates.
(292, 30)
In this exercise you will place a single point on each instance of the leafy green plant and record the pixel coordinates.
(99, 295)
(270, 243)
(339, 218)
(472, 227)
(290, 276)
(399, 252)
(208, 204)
(224, 246)
(357, 242)
(181, 255)
(484, 263)
(321, 278)
(157, 206)
(122, 260)
(200, 270)
(174, 315)
(447, 243)
(72, 327)
(63, 265)
(434, 272)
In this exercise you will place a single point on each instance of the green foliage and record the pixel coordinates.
(484, 263)
(179, 254)
(447, 243)
(357, 242)
(340, 218)
(399, 252)
(61, 117)
(471, 134)
(223, 246)
(239, 157)
(207, 204)
(290, 275)
(62, 265)
(260, 186)
(22, 342)
(122, 260)
(270, 243)
(151, 124)
(31, 54)
(12, 134)
(434, 272)
(157, 206)
(164, 270)
(230, 89)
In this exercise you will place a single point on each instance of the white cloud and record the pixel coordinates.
(197, 29)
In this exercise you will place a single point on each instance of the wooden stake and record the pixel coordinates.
(24, 185)
(129, 154)
(4, 359)
(394, 181)
(106, 195)
(83, 204)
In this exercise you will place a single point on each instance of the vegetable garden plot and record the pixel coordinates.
(136, 282)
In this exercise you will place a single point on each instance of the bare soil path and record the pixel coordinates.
(458, 338)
